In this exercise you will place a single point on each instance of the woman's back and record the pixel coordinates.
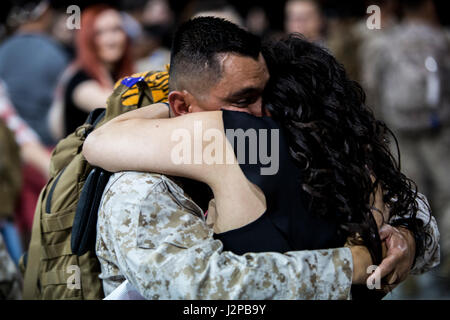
(286, 224)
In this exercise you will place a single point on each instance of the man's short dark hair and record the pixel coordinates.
(194, 63)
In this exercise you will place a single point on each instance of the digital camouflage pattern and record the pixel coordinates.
(150, 233)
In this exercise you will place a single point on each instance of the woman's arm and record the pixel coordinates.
(192, 146)
(89, 95)
(134, 141)
(31, 149)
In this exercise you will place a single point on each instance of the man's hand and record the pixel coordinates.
(399, 258)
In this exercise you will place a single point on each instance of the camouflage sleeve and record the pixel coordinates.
(167, 251)
(431, 254)
(10, 279)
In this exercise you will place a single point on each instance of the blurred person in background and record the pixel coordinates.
(10, 183)
(217, 8)
(32, 153)
(132, 11)
(157, 23)
(410, 76)
(372, 45)
(31, 148)
(103, 56)
(10, 278)
(305, 17)
(65, 36)
(348, 32)
(257, 21)
(30, 65)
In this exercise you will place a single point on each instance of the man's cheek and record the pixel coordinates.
(266, 112)
(256, 109)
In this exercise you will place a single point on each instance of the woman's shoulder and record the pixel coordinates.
(74, 77)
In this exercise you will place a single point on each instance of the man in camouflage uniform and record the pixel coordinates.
(407, 71)
(152, 234)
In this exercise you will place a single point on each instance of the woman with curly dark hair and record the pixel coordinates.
(335, 179)
(336, 140)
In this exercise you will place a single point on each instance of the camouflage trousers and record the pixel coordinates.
(425, 158)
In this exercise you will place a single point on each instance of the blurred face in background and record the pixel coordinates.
(59, 30)
(110, 37)
(157, 12)
(303, 16)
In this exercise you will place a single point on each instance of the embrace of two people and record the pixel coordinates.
(336, 205)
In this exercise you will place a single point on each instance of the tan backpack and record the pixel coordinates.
(10, 172)
(53, 269)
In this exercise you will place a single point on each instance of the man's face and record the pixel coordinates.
(239, 88)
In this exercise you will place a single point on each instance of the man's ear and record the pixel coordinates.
(178, 103)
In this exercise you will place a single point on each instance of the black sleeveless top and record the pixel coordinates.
(74, 116)
(286, 225)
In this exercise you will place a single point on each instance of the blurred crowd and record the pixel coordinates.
(53, 72)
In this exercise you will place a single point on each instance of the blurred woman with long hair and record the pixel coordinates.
(102, 57)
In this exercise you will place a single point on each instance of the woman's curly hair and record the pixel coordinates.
(336, 140)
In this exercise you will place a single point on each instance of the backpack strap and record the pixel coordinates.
(84, 227)
(95, 116)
